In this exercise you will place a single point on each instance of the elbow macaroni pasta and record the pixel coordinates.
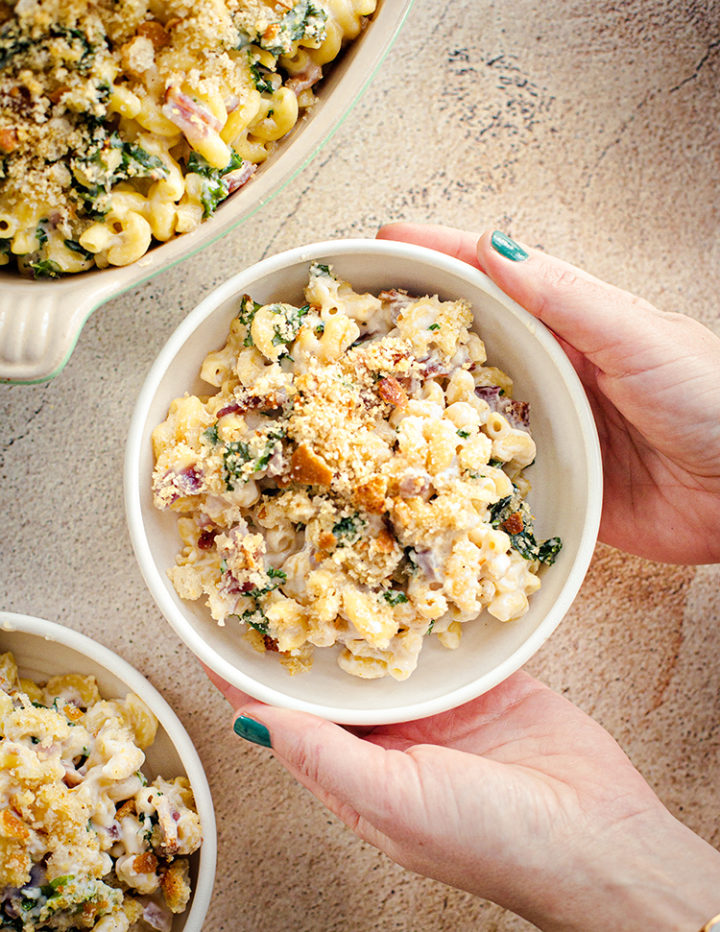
(356, 479)
(85, 840)
(125, 122)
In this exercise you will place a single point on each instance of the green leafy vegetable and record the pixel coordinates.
(211, 434)
(238, 454)
(303, 21)
(215, 187)
(348, 529)
(45, 268)
(394, 596)
(512, 515)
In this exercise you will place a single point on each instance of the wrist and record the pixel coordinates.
(655, 874)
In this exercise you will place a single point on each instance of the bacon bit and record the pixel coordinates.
(305, 79)
(8, 139)
(72, 712)
(145, 863)
(513, 524)
(206, 540)
(195, 121)
(270, 643)
(385, 542)
(370, 495)
(391, 390)
(155, 32)
(240, 176)
(233, 408)
(308, 468)
(127, 808)
(397, 300)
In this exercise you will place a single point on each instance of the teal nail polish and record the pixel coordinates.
(253, 731)
(507, 247)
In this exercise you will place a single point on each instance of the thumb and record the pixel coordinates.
(600, 321)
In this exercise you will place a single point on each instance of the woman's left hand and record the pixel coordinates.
(517, 796)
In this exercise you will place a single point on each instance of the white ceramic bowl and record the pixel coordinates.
(566, 479)
(40, 321)
(43, 649)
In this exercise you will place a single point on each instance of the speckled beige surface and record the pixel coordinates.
(589, 128)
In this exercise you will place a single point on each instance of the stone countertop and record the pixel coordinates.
(591, 129)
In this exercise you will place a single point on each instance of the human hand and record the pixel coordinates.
(652, 378)
(517, 797)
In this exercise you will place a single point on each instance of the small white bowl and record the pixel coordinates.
(566, 480)
(43, 649)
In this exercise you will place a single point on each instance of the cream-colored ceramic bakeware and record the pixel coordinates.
(43, 649)
(566, 480)
(40, 321)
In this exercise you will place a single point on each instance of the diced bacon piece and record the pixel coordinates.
(195, 121)
(517, 413)
(398, 300)
(304, 79)
(240, 176)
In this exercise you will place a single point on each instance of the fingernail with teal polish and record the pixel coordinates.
(507, 247)
(253, 731)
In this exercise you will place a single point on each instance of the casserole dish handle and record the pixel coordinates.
(40, 323)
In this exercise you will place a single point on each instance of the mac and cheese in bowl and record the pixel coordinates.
(87, 841)
(126, 122)
(357, 479)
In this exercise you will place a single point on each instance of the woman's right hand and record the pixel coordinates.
(653, 380)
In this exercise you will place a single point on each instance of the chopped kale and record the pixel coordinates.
(109, 160)
(215, 187)
(317, 269)
(41, 232)
(238, 453)
(348, 529)
(12, 42)
(262, 78)
(394, 596)
(289, 322)
(211, 434)
(78, 42)
(512, 515)
(255, 618)
(434, 327)
(303, 21)
(248, 310)
(278, 577)
(45, 268)
(497, 464)
(74, 246)
(464, 434)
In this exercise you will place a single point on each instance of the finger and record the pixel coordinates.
(351, 776)
(601, 321)
(460, 244)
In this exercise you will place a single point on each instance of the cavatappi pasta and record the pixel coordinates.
(86, 842)
(125, 122)
(356, 479)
